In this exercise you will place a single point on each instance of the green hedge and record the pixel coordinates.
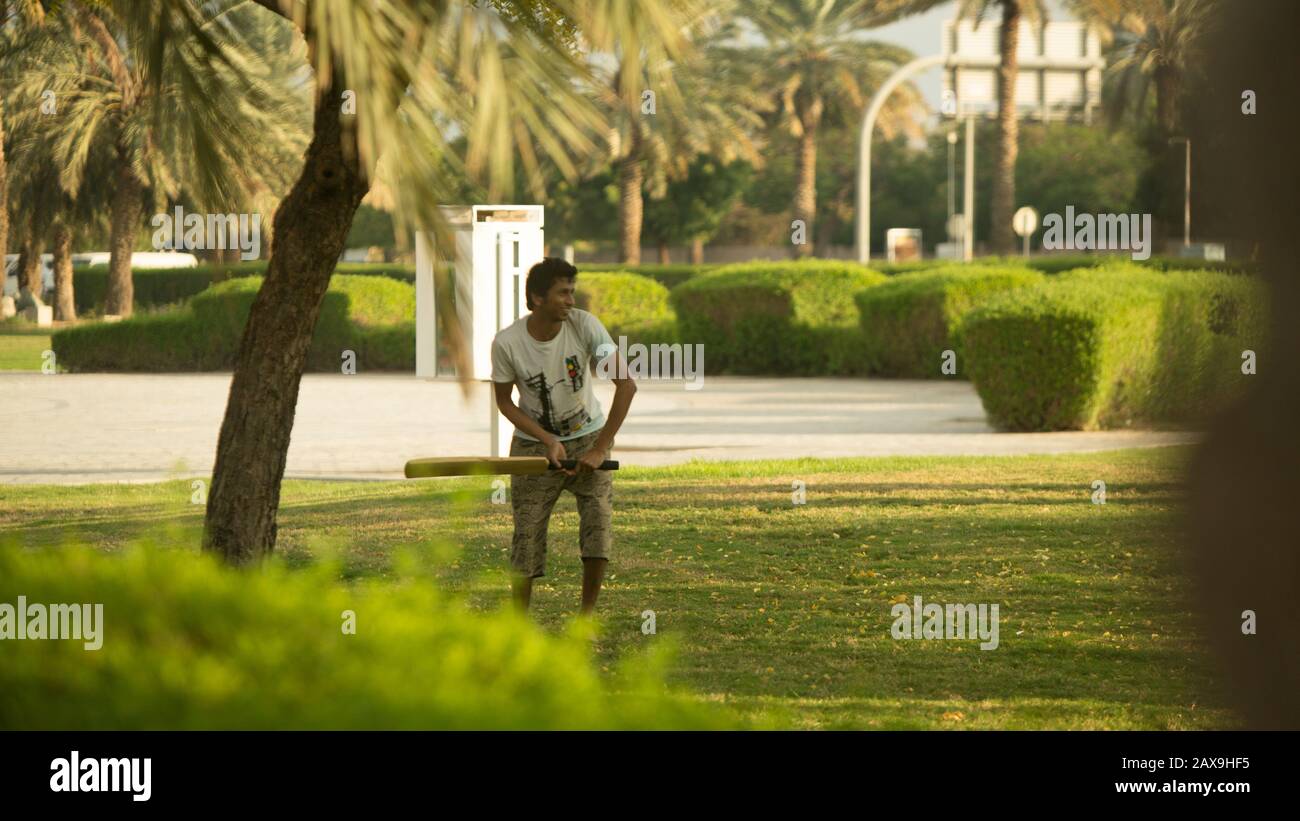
(1113, 346)
(669, 276)
(370, 315)
(156, 286)
(1058, 263)
(629, 305)
(190, 644)
(779, 318)
(909, 321)
(1207, 319)
(167, 286)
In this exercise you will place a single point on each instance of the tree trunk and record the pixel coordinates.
(630, 177)
(311, 226)
(125, 210)
(65, 308)
(805, 185)
(30, 275)
(4, 196)
(1003, 203)
(1167, 99)
(664, 257)
(697, 251)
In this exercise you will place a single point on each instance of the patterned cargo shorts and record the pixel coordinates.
(533, 498)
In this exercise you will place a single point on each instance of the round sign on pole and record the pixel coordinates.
(1025, 221)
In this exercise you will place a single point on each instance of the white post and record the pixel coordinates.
(507, 311)
(426, 314)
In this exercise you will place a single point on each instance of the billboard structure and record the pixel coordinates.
(1059, 76)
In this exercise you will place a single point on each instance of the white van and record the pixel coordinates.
(139, 261)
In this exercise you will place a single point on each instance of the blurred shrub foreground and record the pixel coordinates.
(189, 643)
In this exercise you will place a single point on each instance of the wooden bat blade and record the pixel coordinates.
(476, 466)
(487, 466)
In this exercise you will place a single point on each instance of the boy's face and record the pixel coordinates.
(559, 300)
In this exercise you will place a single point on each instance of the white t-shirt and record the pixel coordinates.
(554, 377)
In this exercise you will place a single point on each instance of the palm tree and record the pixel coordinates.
(821, 71)
(500, 72)
(1003, 201)
(33, 182)
(1153, 42)
(664, 97)
(15, 17)
(155, 112)
(4, 191)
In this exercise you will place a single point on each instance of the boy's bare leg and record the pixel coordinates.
(522, 588)
(593, 573)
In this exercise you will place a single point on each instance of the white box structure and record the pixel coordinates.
(1060, 69)
(495, 245)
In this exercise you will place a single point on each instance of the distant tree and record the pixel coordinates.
(1152, 44)
(818, 71)
(692, 208)
(121, 84)
(371, 226)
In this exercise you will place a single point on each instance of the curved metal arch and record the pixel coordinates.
(863, 216)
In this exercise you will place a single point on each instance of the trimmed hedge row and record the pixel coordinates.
(910, 320)
(781, 318)
(155, 287)
(1108, 347)
(186, 643)
(369, 315)
(628, 304)
(1059, 263)
(669, 276)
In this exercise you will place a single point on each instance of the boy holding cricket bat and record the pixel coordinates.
(547, 355)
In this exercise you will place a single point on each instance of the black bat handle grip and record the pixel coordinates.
(570, 464)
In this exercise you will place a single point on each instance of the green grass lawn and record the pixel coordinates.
(22, 351)
(780, 609)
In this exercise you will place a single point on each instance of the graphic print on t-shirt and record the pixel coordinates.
(574, 369)
(571, 421)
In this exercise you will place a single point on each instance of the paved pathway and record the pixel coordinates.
(75, 428)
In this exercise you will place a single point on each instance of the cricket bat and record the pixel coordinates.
(489, 465)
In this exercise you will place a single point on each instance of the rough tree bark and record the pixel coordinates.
(4, 195)
(125, 214)
(1003, 203)
(697, 251)
(805, 189)
(29, 263)
(1167, 98)
(664, 256)
(630, 177)
(65, 309)
(311, 226)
